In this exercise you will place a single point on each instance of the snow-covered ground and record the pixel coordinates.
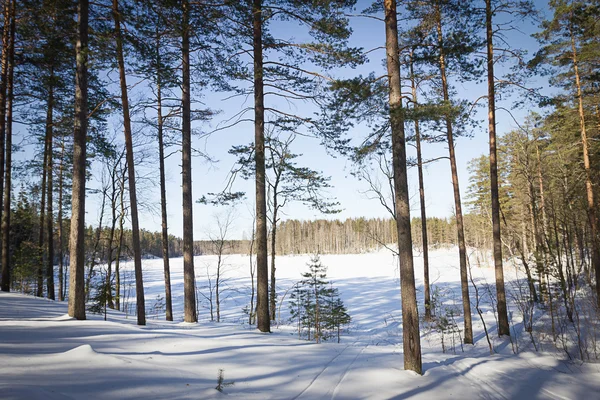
(46, 355)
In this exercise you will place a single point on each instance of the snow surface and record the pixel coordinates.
(44, 354)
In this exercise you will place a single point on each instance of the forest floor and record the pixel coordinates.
(44, 354)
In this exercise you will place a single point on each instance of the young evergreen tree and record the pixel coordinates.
(23, 267)
(316, 306)
(338, 316)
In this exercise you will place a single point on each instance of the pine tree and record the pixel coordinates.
(7, 169)
(570, 43)
(277, 66)
(137, 256)
(76, 286)
(156, 58)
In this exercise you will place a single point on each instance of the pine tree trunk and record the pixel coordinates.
(163, 192)
(503, 327)
(462, 249)
(251, 311)
(262, 268)
(410, 316)
(593, 221)
(218, 281)
(49, 209)
(135, 228)
(40, 267)
(189, 287)
(3, 87)
(61, 285)
(273, 296)
(5, 216)
(537, 242)
(77, 237)
(427, 291)
(541, 187)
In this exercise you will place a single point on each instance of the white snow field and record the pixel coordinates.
(44, 354)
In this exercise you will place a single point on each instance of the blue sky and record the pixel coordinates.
(211, 177)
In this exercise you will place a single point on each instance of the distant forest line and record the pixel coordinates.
(350, 236)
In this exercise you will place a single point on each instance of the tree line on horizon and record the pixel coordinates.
(69, 67)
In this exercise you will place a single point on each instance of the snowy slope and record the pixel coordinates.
(46, 355)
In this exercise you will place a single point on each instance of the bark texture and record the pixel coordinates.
(135, 228)
(462, 249)
(3, 87)
(410, 316)
(189, 279)
(503, 327)
(77, 237)
(5, 216)
(592, 215)
(163, 192)
(426, 287)
(263, 321)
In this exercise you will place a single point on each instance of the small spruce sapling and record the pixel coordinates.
(316, 305)
(221, 381)
(103, 289)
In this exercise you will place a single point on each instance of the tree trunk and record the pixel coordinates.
(410, 315)
(593, 221)
(251, 311)
(41, 252)
(218, 281)
(503, 327)
(190, 314)
(115, 192)
(77, 238)
(537, 242)
(135, 228)
(49, 210)
(262, 268)
(427, 292)
(5, 216)
(61, 285)
(163, 191)
(462, 249)
(120, 245)
(273, 297)
(3, 87)
(541, 187)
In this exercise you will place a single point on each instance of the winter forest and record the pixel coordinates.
(294, 199)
